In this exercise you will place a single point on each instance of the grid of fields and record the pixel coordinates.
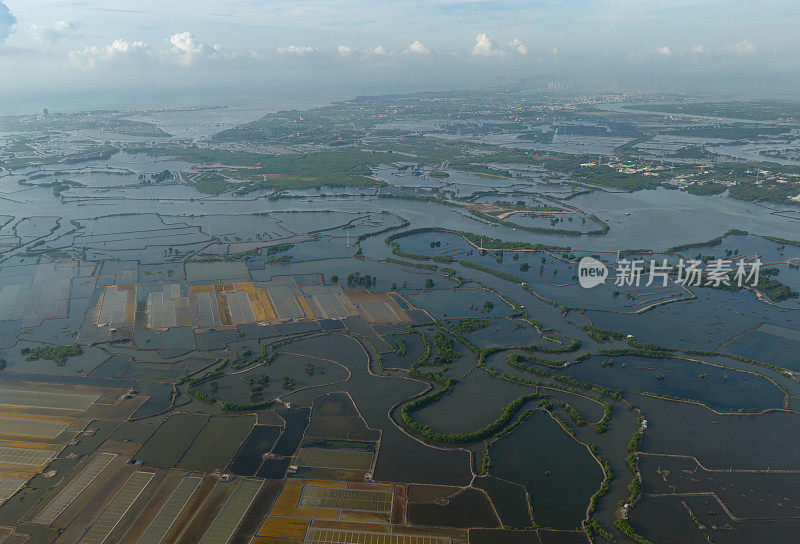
(25, 456)
(379, 312)
(330, 536)
(119, 505)
(240, 308)
(167, 308)
(31, 439)
(43, 399)
(284, 302)
(345, 499)
(207, 310)
(230, 515)
(71, 491)
(118, 306)
(31, 427)
(169, 512)
(337, 511)
(36, 293)
(227, 304)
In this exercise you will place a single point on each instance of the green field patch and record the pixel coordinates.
(544, 459)
(475, 402)
(331, 458)
(171, 440)
(335, 417)
(217, 443)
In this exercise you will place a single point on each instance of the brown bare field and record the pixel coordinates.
(247, 287)
(398, 513)
(286, 504)
(224, 310)
(189, 510)
(269, 308)
(76, 389)
(486, 208)
(197, 289)
(374, 307)
(31, 411)
(287, 522)
(361, 296)
(29, 445)
(257, 513)
(365, 517)
(399, 500)
(130, 305)
(351, 526)
(305, 307)
(35, 417)
(12, 475)
(207, 513)
(255, 304)
(278, 527)
(370, 486)
(148, 512)
(348, 304)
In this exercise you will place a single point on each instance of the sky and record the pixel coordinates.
(207, 50)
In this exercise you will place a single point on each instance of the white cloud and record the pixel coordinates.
(745, 47)
(296, 50)
(345, 50)
(554, 51)
(664, 50)
(189, 50)
(377, 51)
(116, 51)
(699, 48)
(519, 46)
(7, 20)
(52, 33)
(185, 49)
(485, 48)
(418, 49)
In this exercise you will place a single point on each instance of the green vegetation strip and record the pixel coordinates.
(57, 354)
(460, 438)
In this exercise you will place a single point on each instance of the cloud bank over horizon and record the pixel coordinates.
(83, 42)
